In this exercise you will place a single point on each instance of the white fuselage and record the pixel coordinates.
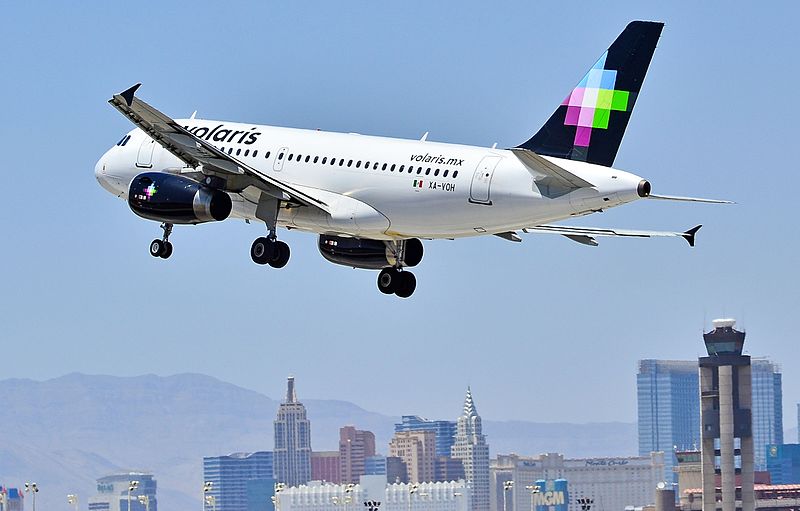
(381, 188)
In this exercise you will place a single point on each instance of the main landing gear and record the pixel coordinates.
(162, 248)
(396, 281)
(268, 250)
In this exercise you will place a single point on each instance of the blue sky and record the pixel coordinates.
(546, 330)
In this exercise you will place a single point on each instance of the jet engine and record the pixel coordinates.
(176, 199)
(369, 254)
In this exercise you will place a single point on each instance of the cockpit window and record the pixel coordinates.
(124, 140)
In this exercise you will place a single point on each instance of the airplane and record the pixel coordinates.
(372, 200)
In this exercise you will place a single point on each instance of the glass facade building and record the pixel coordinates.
(668, 402)
(445, 431)
(783, 463)
(240, 481)
(767, 409)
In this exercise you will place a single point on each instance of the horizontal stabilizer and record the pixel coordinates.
(689, 199)
(549, 175)
(586, 235)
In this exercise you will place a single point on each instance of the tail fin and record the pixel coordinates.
(589, 124)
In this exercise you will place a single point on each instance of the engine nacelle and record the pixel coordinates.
(368, 254)
(176, 199)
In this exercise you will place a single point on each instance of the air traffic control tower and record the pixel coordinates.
(725, 415)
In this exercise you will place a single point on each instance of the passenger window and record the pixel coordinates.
(267, 155)
(427, 171)
(401, 168)
(419, 170)
(384, 167)
(455, 174)
(350, 163)
(341, 162)
(358, 164)
(308, 158)
(376, 166)
(291, 156)
(316, 159)
(299, 157)
(366, 165)
(247, 152)
(238, 152)
(333, 161)
(445, 173)
(436, 172)
(392, 167)
(324, 159)
(230, 150)
(410, 169)
(255, 153)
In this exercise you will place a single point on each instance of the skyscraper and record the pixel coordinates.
(355, 446)
(445, 431)
(292, 454)
(767, 409)
(471, 448)
(234, 476)
(325, 466)
(668, 408)
(112, 493)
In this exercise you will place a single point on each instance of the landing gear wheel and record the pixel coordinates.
(262, 251)
(388, 280)
(406, 284)
(281, 254)
(157, 247)
(167, 250)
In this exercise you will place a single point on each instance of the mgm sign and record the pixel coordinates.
(551, 495)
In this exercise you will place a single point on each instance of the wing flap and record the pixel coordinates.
(586, 235)
(196, 152)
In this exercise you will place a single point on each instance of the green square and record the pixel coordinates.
(620, 100)
(601, 116)
(604, 97)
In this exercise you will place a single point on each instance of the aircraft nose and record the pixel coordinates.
(99, 169)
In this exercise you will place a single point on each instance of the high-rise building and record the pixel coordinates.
(726, 416)
(767, 408)
(355, 446)
(612, 483)
(668, 409)
(417, 449)
(292, 441)
(113, 493)
(325, 466)
(239, 480)
(10, 499)
(445, 431)
(783, 463)
(471, 448)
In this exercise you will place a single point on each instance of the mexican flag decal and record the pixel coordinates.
(418, 183)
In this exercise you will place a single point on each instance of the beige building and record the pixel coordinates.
(613, 483)
(417, 449)
(354, 447)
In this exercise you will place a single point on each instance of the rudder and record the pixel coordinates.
(590, 123)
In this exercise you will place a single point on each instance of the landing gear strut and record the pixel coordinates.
(268, 250)
(396, 281)
(162, 248)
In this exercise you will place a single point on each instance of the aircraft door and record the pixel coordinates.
(145, 157)
(479, 191)
(279, 159)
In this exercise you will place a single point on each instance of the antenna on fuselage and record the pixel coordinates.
(194, 114)
(424, 137)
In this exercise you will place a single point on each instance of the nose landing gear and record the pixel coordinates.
(162, 248)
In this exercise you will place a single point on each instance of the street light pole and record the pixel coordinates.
(72, 500)
(145, 501)
(206, 488)
(276, 501)
(33, 489)
(507, 486)
(412, 489)
(534, 489)
(131, 488)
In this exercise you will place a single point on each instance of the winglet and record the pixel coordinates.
(689, 235)
(128, 94)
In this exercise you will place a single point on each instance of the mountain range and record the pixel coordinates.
(66, 432)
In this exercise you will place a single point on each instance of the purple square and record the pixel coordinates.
(576, 98)
(583, 136)
(572, 116)
(586, 117)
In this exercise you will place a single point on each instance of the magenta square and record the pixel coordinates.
(572, 115)
(576, 98)
(586, 118)
(583, 136)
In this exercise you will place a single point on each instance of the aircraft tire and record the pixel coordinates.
(406, 285)
(388, 279)
(167, 250)
(262, 251)
(281, 256)
(157, 247)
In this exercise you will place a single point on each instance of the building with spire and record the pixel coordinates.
(471, 449)
(292, 453)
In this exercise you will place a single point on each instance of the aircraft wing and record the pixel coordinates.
(196, 152)
(586, 235)
(549, 174)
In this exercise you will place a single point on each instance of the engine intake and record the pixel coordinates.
(368, 254)
(176, 199)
